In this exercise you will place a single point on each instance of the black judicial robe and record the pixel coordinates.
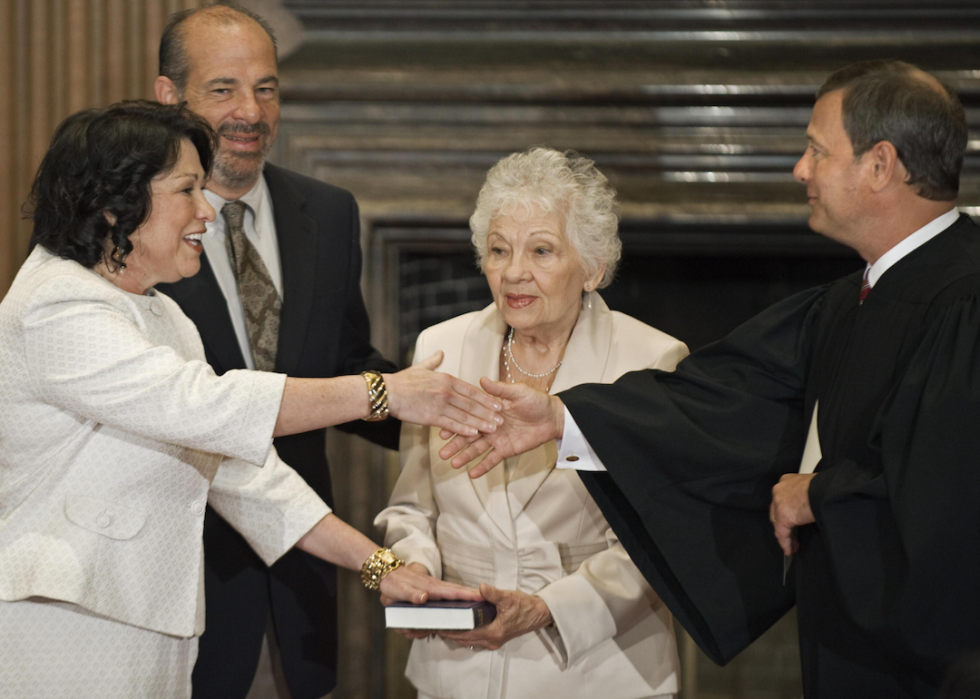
(887, 581)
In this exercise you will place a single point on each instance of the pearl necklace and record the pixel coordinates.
(510, 355)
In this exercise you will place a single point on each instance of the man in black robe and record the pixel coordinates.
(882, 542)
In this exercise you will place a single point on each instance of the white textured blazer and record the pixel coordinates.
(114, 434)
(537, 531)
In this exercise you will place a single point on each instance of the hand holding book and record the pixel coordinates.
(420, 570)
(518, 613)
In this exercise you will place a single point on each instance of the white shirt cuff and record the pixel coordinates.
(574, 451)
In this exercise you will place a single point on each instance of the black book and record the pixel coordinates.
(446, 615)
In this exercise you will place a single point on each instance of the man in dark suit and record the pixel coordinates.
(299, 239)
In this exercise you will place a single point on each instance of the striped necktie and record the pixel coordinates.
(865, 287)
(260, 300)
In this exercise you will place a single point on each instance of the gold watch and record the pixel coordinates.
(377, 566)
(377, 394)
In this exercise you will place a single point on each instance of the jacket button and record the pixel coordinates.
(103, 520)
(197, 508)
(156, 307)
(571, 458)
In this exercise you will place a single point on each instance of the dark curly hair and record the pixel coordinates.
(103, 161)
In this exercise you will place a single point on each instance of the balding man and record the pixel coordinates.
(279, 289)
(874, 380)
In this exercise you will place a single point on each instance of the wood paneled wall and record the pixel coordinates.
(56, 57)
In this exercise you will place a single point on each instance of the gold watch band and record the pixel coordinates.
(377, 566)
(377, 394)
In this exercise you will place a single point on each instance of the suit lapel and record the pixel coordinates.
(202, 301)
(297, 238)
(585, 360)
(480, 356)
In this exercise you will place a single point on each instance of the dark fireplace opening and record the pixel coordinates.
(699, 299)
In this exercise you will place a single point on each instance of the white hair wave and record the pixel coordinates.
(542, 181)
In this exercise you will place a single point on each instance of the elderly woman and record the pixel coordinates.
(575, 616)
(116, 432)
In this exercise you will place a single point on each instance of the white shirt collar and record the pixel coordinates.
(257, 198)
(917, 239)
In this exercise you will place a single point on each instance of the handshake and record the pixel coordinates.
(483, 427)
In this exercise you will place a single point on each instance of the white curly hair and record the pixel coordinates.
(543, 180)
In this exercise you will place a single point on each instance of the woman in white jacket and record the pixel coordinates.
(575, 616)
(115, 431)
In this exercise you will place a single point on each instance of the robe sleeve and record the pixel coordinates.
(692, 457)
(903, 535)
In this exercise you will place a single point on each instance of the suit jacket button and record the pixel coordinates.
(156, 307)
(103, 520)
(197, 508)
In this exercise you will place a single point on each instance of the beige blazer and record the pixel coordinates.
(114, 434)
(536, 530)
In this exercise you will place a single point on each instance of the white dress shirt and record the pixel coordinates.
(260, 229)
(907, 245)
(574, 450)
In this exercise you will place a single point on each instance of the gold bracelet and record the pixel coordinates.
(377, 566)
(377, 394)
